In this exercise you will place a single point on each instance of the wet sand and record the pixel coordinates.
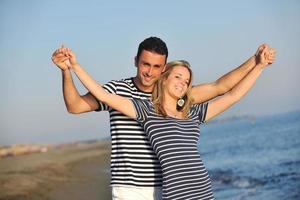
(74, 172)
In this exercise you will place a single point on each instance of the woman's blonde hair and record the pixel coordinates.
(158, 91)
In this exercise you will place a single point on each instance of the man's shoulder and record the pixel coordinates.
(122, 83)
(126, 87)
(123, 80)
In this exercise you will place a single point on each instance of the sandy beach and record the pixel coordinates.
(78, 171)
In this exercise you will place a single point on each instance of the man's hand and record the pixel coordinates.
(265, 55)
(60, 59)
(270, 55)
(64, 58)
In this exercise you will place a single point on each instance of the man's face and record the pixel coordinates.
(149, 68)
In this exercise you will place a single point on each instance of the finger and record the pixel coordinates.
(271, 59)
(259, 49)
(68, 51)
(61, 60)
(58, 55)
(60, 50)
(267, 46)
(64, 59)
(55, 52)
(264, 51)
(57, 59)
(65, 51)
(264, 55)
(273, 51)
(263, 46)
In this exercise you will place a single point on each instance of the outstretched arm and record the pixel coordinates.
(205, 92)
(122, 104)
(75, 103)
(222, 103)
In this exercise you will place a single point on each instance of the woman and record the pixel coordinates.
(173, 128)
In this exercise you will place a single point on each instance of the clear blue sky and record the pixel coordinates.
(214, 36)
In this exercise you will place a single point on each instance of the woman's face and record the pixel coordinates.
(177, 83)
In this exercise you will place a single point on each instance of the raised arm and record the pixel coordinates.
(222, 103)
(75, 103)
(122, 104)
(207, 91)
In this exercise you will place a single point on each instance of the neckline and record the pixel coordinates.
(173, 114)
(176, 118)
(138, 89)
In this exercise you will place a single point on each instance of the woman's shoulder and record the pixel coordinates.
(196, 108)
(146, 102)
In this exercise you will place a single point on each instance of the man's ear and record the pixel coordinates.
(135, 62)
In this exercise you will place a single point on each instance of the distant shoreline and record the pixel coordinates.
(27, 149)
(68, 172)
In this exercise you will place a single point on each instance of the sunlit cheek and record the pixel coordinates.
(140, 70)
(186, 88)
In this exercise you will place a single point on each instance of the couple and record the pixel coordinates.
(165, 155)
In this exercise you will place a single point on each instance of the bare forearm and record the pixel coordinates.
(70, 93)
(208, 91)
(89, 83)
(122, 104)
(243, 87)
(229, 80)
(219, 105)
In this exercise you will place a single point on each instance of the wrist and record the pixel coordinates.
(260, 66)
(65, 70)
(75, 66)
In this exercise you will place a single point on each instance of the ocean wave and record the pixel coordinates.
(228, 178)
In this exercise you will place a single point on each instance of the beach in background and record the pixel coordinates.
(70, 171)
(247, 157)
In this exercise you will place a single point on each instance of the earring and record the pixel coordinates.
(180, 103)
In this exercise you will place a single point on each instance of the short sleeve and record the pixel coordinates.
(111, 88)
(141, 109)
(200, 110)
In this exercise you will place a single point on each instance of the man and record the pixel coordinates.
(135, 170)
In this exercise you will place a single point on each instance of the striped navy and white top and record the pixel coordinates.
(133, 162)
(175, 144)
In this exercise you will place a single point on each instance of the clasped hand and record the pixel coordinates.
(64, 58)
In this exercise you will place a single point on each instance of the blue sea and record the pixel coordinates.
(253, 158)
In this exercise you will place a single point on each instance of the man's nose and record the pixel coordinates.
(150, 71)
